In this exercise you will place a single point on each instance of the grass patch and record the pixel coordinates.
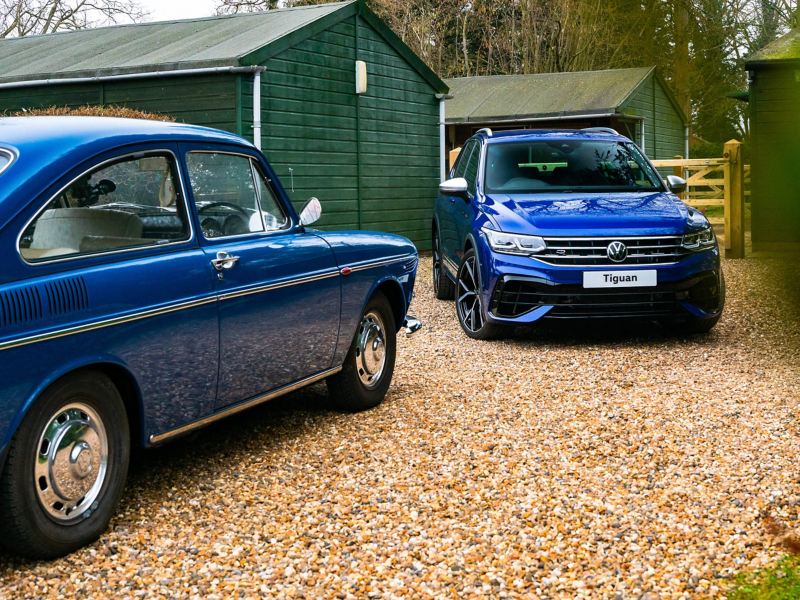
(781, 582)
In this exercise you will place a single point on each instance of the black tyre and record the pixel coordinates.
(368, 367)
(66, 468)
(469, 306)
(443, 287)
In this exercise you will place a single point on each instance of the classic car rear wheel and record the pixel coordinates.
(66, 468)
(443, 288)
(367, 371)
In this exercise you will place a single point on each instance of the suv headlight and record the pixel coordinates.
(699, 240)
(513, 243)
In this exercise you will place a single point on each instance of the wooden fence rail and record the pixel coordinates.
(717, 182)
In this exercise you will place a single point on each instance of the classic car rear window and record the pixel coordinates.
(129, 203)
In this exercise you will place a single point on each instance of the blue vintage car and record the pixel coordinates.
(156, 279)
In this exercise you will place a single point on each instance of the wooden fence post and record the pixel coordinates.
(734, 200)
(679, 171)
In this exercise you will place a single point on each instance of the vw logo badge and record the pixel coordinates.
(617, 251)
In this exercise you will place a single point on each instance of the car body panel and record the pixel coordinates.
(191, 343)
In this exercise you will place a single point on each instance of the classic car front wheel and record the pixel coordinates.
(367, 370)
(66, 468)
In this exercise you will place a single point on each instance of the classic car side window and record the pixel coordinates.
(274, 217)
(128, 203)
(225, 193)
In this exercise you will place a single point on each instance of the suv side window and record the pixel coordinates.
(128, 203)
(471, 168)
(463, 159)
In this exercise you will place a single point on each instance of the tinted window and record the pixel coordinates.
(225, 193)
(463, 159)
(126, 204)
(471, 168)
(568, 165)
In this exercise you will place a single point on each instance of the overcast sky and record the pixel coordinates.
(167, 10)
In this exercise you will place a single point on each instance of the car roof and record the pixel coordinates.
(45, 148)
(25, 131)
(529, 135)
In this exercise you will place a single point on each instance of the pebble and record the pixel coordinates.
(577, 461)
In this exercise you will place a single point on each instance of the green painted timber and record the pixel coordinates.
(775, 150)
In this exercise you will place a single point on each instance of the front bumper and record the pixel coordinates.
(521, 290)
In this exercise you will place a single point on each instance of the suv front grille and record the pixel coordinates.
(593, 251)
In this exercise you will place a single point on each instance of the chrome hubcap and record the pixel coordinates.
(468, 302)
(71, 463)
(371, 349)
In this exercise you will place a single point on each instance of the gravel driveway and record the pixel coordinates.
(600, 461)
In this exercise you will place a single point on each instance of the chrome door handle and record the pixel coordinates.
(224, 261)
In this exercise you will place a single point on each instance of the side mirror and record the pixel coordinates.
(676, 184)
(311, 212)
(454, 187)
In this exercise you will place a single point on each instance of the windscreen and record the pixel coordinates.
(562, 166)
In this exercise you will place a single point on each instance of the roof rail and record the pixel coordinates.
(600, 130)
(485, 130)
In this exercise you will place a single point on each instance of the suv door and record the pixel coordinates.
(449, 207)
(278, 285)
(464, 212)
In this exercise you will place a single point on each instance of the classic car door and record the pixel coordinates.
(279, 286)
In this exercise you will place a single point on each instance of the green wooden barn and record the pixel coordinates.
(342, 107)
(636, 102)
(774, 75)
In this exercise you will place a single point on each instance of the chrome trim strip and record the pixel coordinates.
(621, 238)
(237, 408)
(52, 335)
(380, 262)
(603, 267)
(11, 156)
(277, 285)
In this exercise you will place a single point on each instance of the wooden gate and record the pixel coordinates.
(717, 182)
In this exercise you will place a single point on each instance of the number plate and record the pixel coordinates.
(620, 279)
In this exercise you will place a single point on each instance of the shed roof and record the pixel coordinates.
(786, 48)
(545, 95)
(212, 42)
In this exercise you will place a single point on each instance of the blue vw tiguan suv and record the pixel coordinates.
(571, 224)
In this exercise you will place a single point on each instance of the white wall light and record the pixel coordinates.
(361, 77)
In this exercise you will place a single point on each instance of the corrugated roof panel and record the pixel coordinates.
(195, 43)
(518, 97)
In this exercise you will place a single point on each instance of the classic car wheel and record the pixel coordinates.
(442, 285)
(66, 468)
(469, 306)
(367, 371)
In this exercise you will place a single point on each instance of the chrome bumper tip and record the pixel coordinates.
(411, 326)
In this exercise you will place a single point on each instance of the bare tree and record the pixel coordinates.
(20, 18)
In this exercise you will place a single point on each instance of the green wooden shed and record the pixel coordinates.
(774, 76)
(342, 107)
(636, 102)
